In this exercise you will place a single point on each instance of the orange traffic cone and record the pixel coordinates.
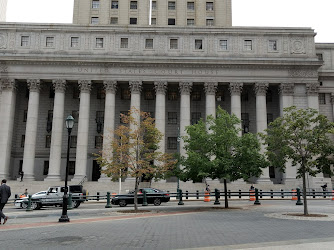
(294, 195)
(333, 195)
(206, 196)
(251, 195)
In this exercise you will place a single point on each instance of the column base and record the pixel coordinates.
(53, 178)
(79, 178)
(27, 178)
(263, 180)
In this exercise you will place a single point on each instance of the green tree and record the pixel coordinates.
(135, 152)
(214, 149)
(301, 135)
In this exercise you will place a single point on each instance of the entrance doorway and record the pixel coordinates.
(96, 173)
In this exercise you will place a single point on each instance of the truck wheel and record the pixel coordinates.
(76, 204)
(122, 203)
(157, 202)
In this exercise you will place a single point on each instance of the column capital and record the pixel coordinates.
(312, 88)
(236, 87)
(286, 88)
(85, 86)
(135, 86)
(34, 85)
(110, 86)
(261, 88)
(210, 88)
(160, 87)
(185, 87)
(59, 85)
(7, 84)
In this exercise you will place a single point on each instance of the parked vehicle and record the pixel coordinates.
(154, 196)
(53, 197)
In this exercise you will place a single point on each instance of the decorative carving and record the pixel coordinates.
(85, 86)
(312, 88)
(185, 87)
(160, 87)
(7, 84)
(287, 89)
(34, 85)
(260, 88)
(110, 86)
(210, 88)
(235, 87)
(135, 87)
(297, 47)
(3, 41)
(3, 68)
(302, 73)
(59, 85)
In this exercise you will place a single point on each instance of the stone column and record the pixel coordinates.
(83, 130)
(109, 122)
(160, 111)
(185, 90)
(286, 91)
(31, 130)
(261, 119)
(58, 124)
(236, 89)
(312, 90)
(7, 112)
(135, 88)
(210, 98)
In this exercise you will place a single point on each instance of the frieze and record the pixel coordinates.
(286, 88)
(135, 87)
(7, 84)
(34, 85)
(261, 88)
(210, 88)
(160, 87)
(302, 73)
(85, 86)
(59, 85)
(185, 87)
(110, 86)
(235, 87)
(3, 43)
(312, 88)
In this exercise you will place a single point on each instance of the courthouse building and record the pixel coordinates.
(179, 61)
(3, 9)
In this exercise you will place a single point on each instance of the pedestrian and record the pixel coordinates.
(21, 174)
(252, 187)
(26, 192)
(324, 187)
(207, 188)
(4, 196)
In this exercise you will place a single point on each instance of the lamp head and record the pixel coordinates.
(69, 122)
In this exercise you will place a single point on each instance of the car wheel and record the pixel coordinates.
(122, 203)
(75, 204)
(157, 202)
(34, 205)
(24, 205)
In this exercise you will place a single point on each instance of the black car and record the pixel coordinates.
(154, 196)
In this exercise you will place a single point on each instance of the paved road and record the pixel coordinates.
(194, 225)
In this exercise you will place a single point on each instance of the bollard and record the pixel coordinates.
(257, 202)
(282, 194)
(69, 202)
(298, 197)
(324, 192)
(239, 194)
(229, 194)
(271, 194)
(217, 195)
(186, 194)
(98, 196)
(197, 194)
(260, 193)
(29, 204)
(108, 201)
(180, 197)
(16, 196)
(333, 195)
(144, 199)
(313, 193)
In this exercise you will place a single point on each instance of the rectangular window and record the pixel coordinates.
(172, 95)
(173, 44)
(320, 57)
(99, 43)
(270, 118)
(95, 4)
(133, 20)
(269, 96)
(124, 43)
(196, 95)
(46, 168)
(25, 114)
(322, 98)
(49, 41)
(190, 22)
(154, 5)
(172, 142)
(209, 6)
(172, 117)
(195, 117)
(153, 21)
(209, 22)
(74, 42)
(48, 141)
(223, 44)
(98, 141)
(198, 44)
(100, 93)
(125, 94)
(75, 115)
(272, 45)
(133, 5)
(171, 21)
(148, 94)
(149, 44)
(171, 5)
(71, 167)
(73, 143)
(24, 41)
(114, 4)
(190, 6)
(94, 20)
(220, 96)
(248, 45)
(244, 96)
(100, 116)
(23, 137)
(114, 20)
(245, 122)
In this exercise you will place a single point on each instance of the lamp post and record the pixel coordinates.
(69, 125)
(178, 164)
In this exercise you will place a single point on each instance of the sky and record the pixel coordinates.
(317, 14)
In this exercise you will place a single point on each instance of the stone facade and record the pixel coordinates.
(3, 10)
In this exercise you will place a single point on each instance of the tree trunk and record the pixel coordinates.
(304, 194)
(136, 194)
(225, 193)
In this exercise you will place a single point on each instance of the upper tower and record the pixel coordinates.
(3, 9)
(198, 13)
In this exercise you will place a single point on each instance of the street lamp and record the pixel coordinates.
(69, 125)
(178, 163)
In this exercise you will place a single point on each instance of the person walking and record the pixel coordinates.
(4, 196)
(21, 174)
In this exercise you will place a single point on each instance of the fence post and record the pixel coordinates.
(180, 197)
(29, 204)
(144, 198)
(108, 201)
(260, 193)
(197, 194)
(313, 193)
(217, 195)
(98, 196)
(187, 194)
(229, 194)
(271, 194)
(257, 202)
(69, 202)
(299, 202)
(282, 193)
(239, 194)
(324, 192)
